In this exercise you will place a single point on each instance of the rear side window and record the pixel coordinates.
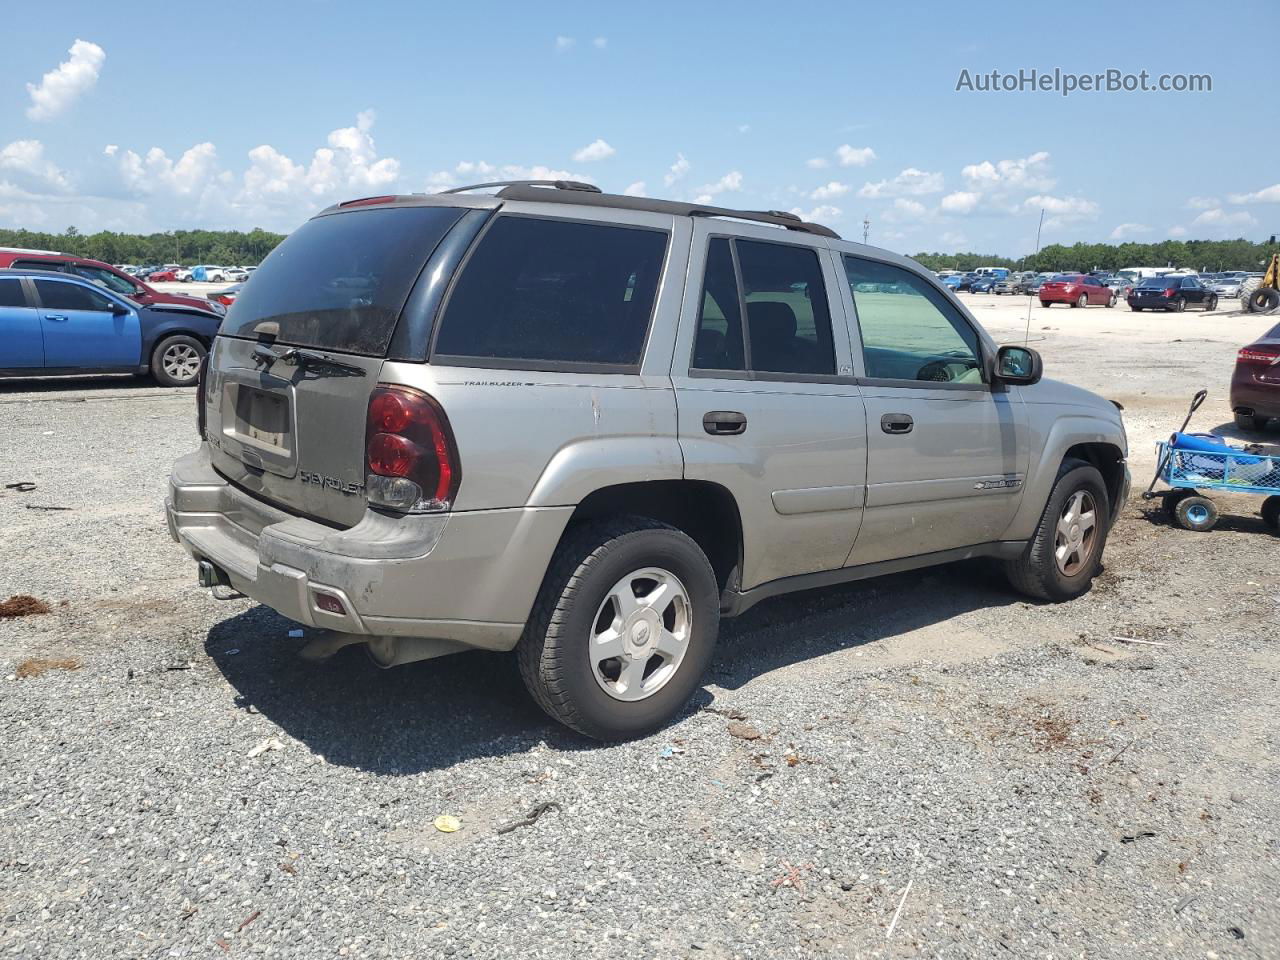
(59, 295)
(339, 282)
(11, 294)
(719, 342)
(54, 265)
(554, 292)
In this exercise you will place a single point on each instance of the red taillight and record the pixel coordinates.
(1264, 355)
(410, 455)
(1169, 292)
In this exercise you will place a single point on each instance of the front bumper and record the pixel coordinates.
(1126, 485)
(466, 577)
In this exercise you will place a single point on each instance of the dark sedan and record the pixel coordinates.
(55, 324)
(1175, 293)
(1255, 384)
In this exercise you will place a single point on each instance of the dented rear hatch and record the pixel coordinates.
(301, 349)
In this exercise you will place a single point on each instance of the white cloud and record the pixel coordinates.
(910, 182)
(600, 42)
(635, 189)
(911, 208)
(110, 150)
(731, 181)
(1028, 173)
(1129, 230)
(744, 128)
(830, 190)
(595, 150)
(955, 239)
(962, 201)
(1203, 203)
(819, 214)
(61, 87)
(1269, 194)
(677, 170)
(816, 163)
(1178, 231)
(1217, 217)
(27, 157)
(479, 171)
(564, 44)
(190, 174)
(1062, 210)
(854, 156)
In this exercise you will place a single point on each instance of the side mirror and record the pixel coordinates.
(119, 310)
(1020, 365)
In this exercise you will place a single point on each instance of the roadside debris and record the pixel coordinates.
(1184, 903)
(743, 731)
(22, 486)
(731, 713)
(897, 913)
(669, 752)
(249, 919)
(1136, 834)
(271, 743)
(1150, 643)
(791, 876)
(22, 605)
(529, 819)
(447, 823)
(42, 506)
(35, 667)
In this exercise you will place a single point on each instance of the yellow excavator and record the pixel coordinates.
(1263, 296)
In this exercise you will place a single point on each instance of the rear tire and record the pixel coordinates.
(1196, 513)
(1179, 305)
(1082, 300)
(557, 662)
(1271, 512)
(1251, 423)
(1046, 304)
(175, 362)
(1039, 572)
(1136, 309)
(1212, 305)
(1264, 300)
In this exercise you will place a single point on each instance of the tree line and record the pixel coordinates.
(187, 247)
(1201, 255)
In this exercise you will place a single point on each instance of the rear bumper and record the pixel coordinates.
(466, 577)
(1254, 398)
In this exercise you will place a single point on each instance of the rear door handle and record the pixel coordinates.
(723, 423)
(55, 318)
(896, 423)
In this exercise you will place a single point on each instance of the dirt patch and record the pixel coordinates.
(22, 605)
(37, 668)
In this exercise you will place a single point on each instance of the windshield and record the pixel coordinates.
(105, 278)
(340, 281)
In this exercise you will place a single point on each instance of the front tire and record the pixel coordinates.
(1065, 553)
(1212, 306)
(1179, 305)
(623, 628)
(1082, 300)
(175, 362)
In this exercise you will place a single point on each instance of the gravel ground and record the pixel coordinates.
(999, 777)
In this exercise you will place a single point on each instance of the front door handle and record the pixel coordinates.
(55, 318)
(724, 423)
(896, 423)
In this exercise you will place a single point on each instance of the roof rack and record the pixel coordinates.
(574, 185)
(568, 191)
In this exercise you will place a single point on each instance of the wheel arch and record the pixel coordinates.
(707, 512)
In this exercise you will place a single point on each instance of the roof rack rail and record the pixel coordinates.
(528, 190)
(574, 185)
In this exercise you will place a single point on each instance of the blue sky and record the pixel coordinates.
(140, 116)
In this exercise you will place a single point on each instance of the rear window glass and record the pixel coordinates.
(550, 292)
(339, 282)
(11, 294)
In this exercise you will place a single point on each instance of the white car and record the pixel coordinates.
(235, 274)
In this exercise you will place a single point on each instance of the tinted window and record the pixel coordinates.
(54, 265)
(552, 292)
(719, 342)
(106, 278)
(339, 282)
(909, 330)
(60, 295)
(11, 294)
(788, 323)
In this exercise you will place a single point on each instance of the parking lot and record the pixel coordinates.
(923, 765)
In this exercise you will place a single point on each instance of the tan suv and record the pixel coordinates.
(585, 427)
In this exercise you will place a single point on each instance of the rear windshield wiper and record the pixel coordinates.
(306, 359)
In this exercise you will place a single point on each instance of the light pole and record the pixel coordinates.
(866, 227)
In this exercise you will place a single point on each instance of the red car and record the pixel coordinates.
(1077, 289)
(103, 274)
(164, 276)
(1255, 384)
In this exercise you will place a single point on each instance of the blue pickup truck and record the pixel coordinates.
(55, 324)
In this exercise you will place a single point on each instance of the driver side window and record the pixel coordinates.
(909, 330)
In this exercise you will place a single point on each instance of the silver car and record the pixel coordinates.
(586, 427)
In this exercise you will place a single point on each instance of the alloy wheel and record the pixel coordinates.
(1076, 533)
(181, 361)
(640, 634)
